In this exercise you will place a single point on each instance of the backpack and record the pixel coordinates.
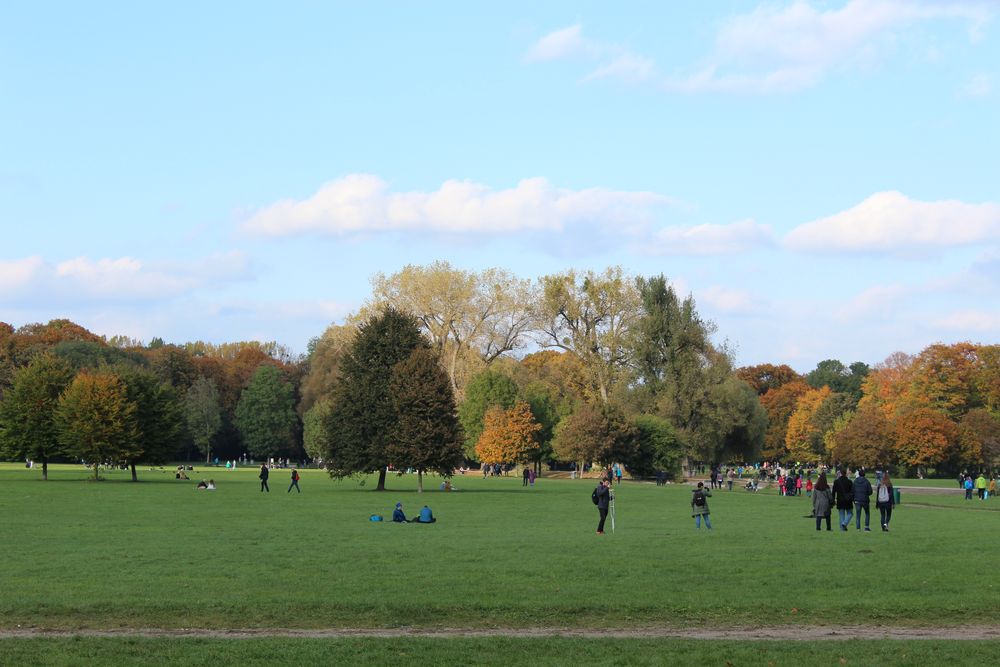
(883, 494)
(699, 499)
(594, 497)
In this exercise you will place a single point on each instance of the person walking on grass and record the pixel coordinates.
(602, 498)
(884, 501)
(843, 496)
(862, 492)
(822, 501)
(264, 472)
(525, 476)
(968, 485)
(699, 505)
(981, 486)
(295, 481)
(991, 490)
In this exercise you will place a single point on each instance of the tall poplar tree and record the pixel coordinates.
(265, 415)
(203, 414)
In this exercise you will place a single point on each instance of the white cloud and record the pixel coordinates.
(732, 301)
(970, 320)
(878, 302)
(709, 239)
(980, 85)
(362, 203)
(558, 44)
(114, 279)
(891, 223)
(18, 273)
(612, 60)
(774, 48)
(627, 67)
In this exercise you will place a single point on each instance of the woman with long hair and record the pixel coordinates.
(822, 501)
(885, 499)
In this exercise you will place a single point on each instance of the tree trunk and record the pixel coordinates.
(381, 480)
(208, 455)
(420, 481)
(132, 465)
(45, 468)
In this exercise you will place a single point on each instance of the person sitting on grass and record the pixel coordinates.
(426, 516)
(211, 485)
(397, 514)
(202, 485)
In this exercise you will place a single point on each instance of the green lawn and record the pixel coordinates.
(491, 651)
(80, 554)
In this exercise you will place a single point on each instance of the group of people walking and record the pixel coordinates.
(852, 498)
(265, 472)
(983, 488)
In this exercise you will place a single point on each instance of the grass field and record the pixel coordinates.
(493, 651)
(160, 554)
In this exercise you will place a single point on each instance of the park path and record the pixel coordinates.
(741, 633)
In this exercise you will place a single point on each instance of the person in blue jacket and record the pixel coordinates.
(426, 516)
(397, 514)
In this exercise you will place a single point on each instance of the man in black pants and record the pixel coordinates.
(263, 478)
(603, 500)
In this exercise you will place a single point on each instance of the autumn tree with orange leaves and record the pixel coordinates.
(803, 438)
(508, 436)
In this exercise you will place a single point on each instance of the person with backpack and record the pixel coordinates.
(862, 492)
(295, 481)
(699, 505)
(602, 498)
(822, 501)
(843, 496)
(885, 500)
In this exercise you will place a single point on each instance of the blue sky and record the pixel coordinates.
(823, 177)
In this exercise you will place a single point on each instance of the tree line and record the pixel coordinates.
(572, 367)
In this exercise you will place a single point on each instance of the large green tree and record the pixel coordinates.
(203, 414)
(158, 413)
(315, 438)
(427, 435)
(28, 427)
(97, 421)
(838, 377)
(657, 447)
(265, 415)
(487, 390)
(596, 434)
(363, 414)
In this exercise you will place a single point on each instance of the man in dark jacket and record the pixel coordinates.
(603, 500)
(263, 478)
(862, 492)
(843, 495)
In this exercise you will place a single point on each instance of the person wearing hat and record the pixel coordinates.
(397, 514)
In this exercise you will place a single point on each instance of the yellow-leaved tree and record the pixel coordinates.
(803, 438)
(508, 435)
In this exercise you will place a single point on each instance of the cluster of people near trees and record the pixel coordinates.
(984, 489)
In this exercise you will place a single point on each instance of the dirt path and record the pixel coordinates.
(783, 633)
